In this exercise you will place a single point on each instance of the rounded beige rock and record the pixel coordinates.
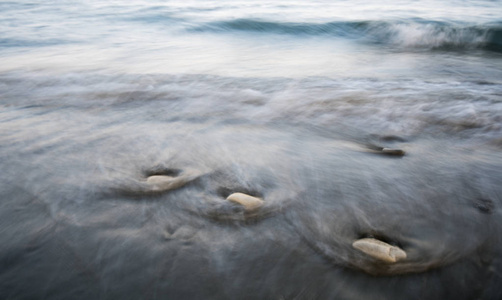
(380, 250)
(249, 202)
(164, 182)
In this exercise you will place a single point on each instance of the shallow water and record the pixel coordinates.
(291, 102)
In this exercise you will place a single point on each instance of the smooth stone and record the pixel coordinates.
(158, 179)
(391, 151)
(164, 182)
(249, 202)
(385, 150)
(380, 250)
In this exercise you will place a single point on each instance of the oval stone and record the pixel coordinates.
(249, 202)
(380, 250)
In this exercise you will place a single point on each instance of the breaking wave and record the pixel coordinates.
(406, 34)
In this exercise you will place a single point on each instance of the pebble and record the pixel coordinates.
(164, 182)
(380, 250)
(391, 151)
(249, 202)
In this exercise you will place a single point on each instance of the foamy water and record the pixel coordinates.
(349, 120)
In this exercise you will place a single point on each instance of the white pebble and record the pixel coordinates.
(249, 202)
(164, 182)
(380, 250)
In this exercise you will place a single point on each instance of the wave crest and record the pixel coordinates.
(404, 34)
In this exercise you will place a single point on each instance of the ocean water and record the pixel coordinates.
(290, 101)
(415, 60)
(417, 39)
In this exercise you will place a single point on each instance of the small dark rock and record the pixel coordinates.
(391, 151)
(484, 205)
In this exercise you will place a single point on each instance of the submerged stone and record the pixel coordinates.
(249, 202)
(385, 150)
(165, 182)
(158, 179)
(380, 250)
(392, 151)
